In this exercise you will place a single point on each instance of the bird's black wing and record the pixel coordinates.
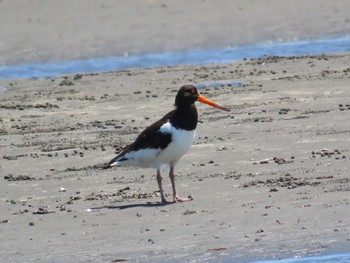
(151, 137)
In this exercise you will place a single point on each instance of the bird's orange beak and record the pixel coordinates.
(205, 100)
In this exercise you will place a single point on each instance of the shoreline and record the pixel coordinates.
(51, 31)
(184, 57)
(269, 179)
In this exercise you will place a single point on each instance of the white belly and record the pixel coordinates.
(181, 142)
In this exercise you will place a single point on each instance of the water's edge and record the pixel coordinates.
(192, 56)
(335, 258)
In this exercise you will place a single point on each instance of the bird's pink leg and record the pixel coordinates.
(176, 198)
(159, 180)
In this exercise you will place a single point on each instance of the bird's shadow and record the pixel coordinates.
(128, 206)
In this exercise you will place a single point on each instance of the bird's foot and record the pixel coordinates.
(181, 200)
(164, 202)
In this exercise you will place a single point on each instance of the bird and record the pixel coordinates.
(167, 140)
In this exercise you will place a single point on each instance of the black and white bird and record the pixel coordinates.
(167, 140)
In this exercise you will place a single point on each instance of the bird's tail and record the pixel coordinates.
(112, 163)
(115, 161)
(107, 166)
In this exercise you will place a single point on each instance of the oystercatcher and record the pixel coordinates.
(167, 140)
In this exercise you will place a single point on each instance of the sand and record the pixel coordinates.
(270, 179)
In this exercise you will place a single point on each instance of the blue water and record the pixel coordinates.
(192, 56)
(337, 258)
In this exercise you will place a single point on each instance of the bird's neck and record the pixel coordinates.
(185, 118)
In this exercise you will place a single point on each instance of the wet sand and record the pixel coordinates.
(270, 179)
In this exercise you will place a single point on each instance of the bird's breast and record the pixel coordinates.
(181, 141)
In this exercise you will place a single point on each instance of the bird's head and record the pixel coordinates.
(188, 95)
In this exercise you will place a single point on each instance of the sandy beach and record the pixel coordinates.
(270, 179)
